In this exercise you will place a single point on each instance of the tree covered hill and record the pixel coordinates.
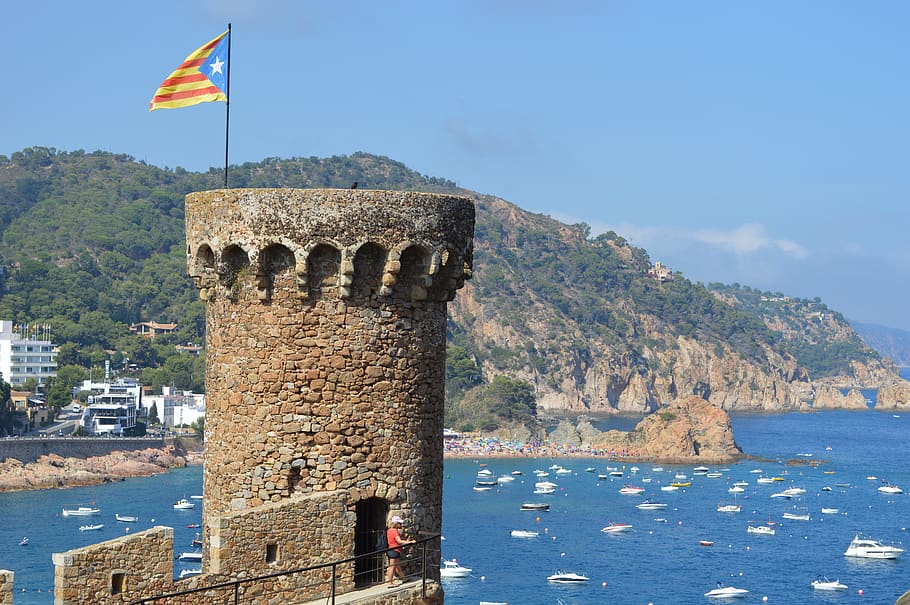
(92, 242)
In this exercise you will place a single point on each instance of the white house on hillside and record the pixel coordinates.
(26, 352)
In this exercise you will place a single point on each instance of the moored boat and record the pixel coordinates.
(762, 530)
(82, 511)
(616, 528)
(524, 533)
(451, 569)
(651, 505)
(126, 518)
(91, 527)
(726, 592)
(871, 549)
(567, 578)
(535, 506)
(184, 504)
(826, 584)
(195, 555)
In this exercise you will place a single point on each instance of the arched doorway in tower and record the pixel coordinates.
(371, 523)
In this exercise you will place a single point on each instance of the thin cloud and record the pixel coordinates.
(748, 239)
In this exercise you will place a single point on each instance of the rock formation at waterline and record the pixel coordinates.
(828, 397)
(689, 430)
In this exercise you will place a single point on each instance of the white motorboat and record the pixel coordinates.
(524, 533)
(616, 473)
(634, 469)
(126, 518)
(714, 475)
(505, 479)
(485, 473)
(796, 516)
(826, 584)
(740, 484)
(185, 573)
(195, 555)
(726, 592)
(477, 488)
(91, 527)
(871, 549)
(563, 471)
(535, 506)
(545, 485)
(196, 497)
(82, 511)
(631, 490)
(657, 469)
(567, 578)
(888, 488)
(782, 495)
(651, 505)
(23, 541)
(762, 530)
(736, 490)
(765, 480)
(830, 511)
(590, 469)
(451, 569)
(680, 476)
(669, 488)
(700, 470)
(543, 490)
(616, 528)
(729, 508)
(794, 491)
(184, 504)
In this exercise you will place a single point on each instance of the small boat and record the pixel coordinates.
(486, 482)
(842, 485)
(782, 495)
(543, 490)
(726, 592)
(195, 555)
(563, 471)
(651, 505)
(485, 473)
(184, 504)
(680, 476)
(888, 488)
(762, 530)
(669, 488)
(764, 480)
(91, 527)
(736, 490)
(794, 491)
(616, 528)
(756, 470)
(185, 573)
(681, 484)
(193, 525)
(567, 578)
(602, 477)
(516, 473)
(705, 543)
(196, 497)
(827, 489)
(126, 518)
(477, 488)
(871, 549)
(634, 469)
(23, 541)
(451, 569)
(524, 533)
(700, 470)
(740, 484)
(82, 511)
(830, 511)
(796, 516)
(714, 475)
(505, 479)
(631, 490)
(826, 584)
(657, 469)
(535, 506)
(545, 485)
(590, 469)
(729, 508)
(616, 473)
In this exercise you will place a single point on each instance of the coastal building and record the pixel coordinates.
(26, 352)
(113, 408)
(175, 408)
(151, 329)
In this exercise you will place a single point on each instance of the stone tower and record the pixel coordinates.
(325, 353)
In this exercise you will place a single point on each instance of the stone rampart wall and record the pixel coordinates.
(29, 449)
(6, 587)
(144, 561)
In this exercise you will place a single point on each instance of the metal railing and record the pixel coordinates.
(233, 590)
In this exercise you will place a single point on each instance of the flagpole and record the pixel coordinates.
(227, 109)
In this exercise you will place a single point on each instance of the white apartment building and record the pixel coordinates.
(26, 352)
(176, 408)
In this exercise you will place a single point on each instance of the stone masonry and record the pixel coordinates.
(325, 352)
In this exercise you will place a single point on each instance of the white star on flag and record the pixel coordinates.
(216, 65)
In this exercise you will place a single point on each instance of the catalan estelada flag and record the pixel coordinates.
(202, 77)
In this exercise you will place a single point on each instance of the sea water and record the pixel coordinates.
(659, 561)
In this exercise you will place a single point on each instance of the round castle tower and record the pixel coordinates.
(325, 346)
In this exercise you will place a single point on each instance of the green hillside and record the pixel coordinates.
(92, 242)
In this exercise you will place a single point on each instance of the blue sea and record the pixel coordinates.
(656, 562)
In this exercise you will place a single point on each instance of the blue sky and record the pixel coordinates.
(764, 143)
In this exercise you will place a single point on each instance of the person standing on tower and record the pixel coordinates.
(395, 541)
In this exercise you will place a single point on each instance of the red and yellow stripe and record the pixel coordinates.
(187, 85)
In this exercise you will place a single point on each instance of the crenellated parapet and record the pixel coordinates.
(314, 243)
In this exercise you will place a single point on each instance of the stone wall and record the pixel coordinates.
(143, 561)
(6, 587)
(29, 449)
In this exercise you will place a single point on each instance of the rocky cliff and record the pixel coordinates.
(581, 320)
